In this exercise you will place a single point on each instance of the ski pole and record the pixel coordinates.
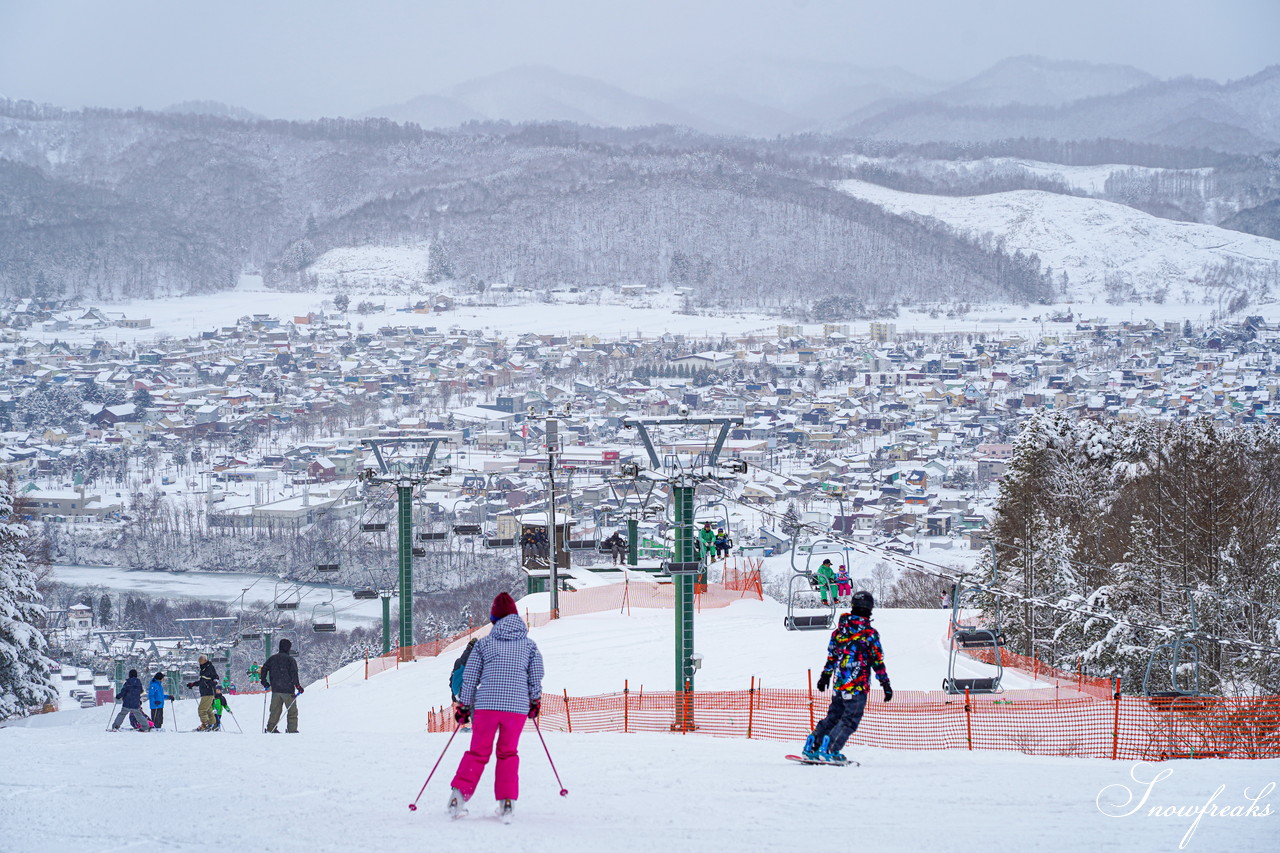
(113, 715)
(265, 694)
(564, 792)
(413, 807)
(235, 720)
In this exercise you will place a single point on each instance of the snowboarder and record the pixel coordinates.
(827, 582)
(207, 681)
(156, 697)
(843, 584)
(617, 546)
(852, 654)
(723, 543)
(503, 684)
(280, 676)
(130, 699)
(707, 543)
(219, 705)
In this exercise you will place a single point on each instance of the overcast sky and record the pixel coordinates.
(302, 58)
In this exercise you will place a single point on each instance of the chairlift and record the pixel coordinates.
(364, 594)
(288, 600)
(374, 527)
(251, 634)
(432, 535)
(805, 610)
(499, 542)
(973, 636)
(327, 568)
(1179, 696)
(324, 617)
(467, 529)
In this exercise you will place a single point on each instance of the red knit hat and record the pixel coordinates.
(503, 605)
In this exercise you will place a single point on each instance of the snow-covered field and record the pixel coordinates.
(343, 784)
(1090, 239)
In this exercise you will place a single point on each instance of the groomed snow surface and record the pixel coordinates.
(343, 784)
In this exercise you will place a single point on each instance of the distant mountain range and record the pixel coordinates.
(1022, 96)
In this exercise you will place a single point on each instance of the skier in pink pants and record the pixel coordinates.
(502, 684)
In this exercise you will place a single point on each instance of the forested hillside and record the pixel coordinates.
(103, 204)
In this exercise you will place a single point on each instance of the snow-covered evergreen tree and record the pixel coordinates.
(24, 669)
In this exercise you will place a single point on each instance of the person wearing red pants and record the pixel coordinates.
(501, 688)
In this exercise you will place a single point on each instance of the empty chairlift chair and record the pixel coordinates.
(973, 636)
(364, 594)
(324, 618)
(286, 599)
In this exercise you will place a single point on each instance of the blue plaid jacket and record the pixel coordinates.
(504, 672)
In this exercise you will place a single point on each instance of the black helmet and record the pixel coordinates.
(159, 676)
(861, 603)
(285, 646)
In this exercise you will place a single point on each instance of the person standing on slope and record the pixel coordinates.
(130, 698)
(280, 676)
(156, 697)
(503, 684)
(455, 677)
(206, 682)
(854, 651)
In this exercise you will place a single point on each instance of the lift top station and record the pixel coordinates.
(686, 571)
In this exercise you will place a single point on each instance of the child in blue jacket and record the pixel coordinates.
(156, 697)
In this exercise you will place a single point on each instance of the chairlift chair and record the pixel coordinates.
(432, 535)
(973, 636)
(327, 568)
(374, 527)
(805, 610)
(324, 619)
(364, 594)
(1179, 696)
(287, 600)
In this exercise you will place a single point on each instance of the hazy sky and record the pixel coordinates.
(300, 58)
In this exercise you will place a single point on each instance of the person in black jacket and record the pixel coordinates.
(280, 676)
(206, 682)
(130, 699)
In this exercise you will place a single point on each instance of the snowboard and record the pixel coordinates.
(800, 759)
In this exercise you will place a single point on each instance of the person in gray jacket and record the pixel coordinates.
(503, 685)
(280, 676)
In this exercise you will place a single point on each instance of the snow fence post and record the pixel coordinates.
(968, 720)
(751, 705)
(626, 706)
(366, 666)
(1115, 721)
(567, 719)
(810, 699)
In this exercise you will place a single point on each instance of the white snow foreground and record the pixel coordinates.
(344, 783)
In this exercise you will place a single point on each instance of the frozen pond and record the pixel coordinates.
(220, 586)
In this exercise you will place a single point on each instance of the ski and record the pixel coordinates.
(800, 759)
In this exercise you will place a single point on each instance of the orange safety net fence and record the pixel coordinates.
(1130, 728)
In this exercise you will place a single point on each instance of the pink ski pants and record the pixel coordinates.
(484, 724)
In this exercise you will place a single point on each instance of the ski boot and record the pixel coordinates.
(825, 753)
(504, 810)
(457, 804)
(810, 749)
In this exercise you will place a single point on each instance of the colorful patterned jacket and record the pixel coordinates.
(854, 651)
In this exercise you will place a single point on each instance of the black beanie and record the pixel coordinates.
(285, 645)
(159, 676)
(133, 673)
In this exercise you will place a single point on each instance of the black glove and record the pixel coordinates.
(823, 681)
(300, 691)
(170, 698)
(191, 684)
(535, 708)
(462, 714)
(888, 692)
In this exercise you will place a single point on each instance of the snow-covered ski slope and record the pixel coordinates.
(1091, 239)
(343, 784)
